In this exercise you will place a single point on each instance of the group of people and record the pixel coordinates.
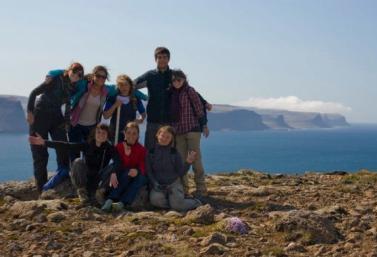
(106, 163)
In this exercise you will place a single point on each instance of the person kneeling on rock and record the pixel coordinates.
(165, 169)
(85, 173)
(128, 175)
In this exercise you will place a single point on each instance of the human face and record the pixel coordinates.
(178, 82)
(101, 136)
(124, 88)
(162, 61)
(164, 138)
(75, 75)
(100, 78)
(131, 135)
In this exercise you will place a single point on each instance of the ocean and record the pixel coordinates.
(291, 152)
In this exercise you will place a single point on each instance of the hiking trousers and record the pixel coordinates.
(173, 197)
(128, 187)
(47, 122)
(191, 142)
(83, 177)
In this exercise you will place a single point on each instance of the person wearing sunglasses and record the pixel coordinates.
(45, 118)
(188, 118)
(85, 116)
(88, 111)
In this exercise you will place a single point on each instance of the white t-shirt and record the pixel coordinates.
(88, 116)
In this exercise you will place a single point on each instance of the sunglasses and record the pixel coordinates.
(79, 72)
(100, 76)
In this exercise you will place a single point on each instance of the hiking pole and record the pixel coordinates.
(117, 126)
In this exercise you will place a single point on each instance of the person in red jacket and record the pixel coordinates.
(129, 170)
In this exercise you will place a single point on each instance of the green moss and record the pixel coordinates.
(12, 237)
(360, 177)
(2, 202)
(141, 234)
(274, 251)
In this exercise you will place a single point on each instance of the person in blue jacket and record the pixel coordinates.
(128, 103)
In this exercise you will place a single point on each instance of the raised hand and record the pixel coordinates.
(191, 157)
(36, 140)
(205, 131)
(114, 180)
(132, 173)
(30, 118)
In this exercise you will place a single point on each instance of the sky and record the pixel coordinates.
(318, 55)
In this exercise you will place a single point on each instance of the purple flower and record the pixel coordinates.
(236, 225)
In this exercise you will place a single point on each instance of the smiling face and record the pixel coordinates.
(162, 61)
(124, 88)
(131, 135)
(75, 75)
(178, 82)
(100, 78)
(164, 138)
(101, 136)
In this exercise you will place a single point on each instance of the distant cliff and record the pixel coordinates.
(12, 115)
(236, 120)
(276, 119)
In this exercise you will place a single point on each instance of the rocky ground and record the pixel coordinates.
(306, 215)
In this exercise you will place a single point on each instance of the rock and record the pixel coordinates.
(262, 191)
(295, 247)
(56, 217)
(22, 190)
(53, 245)
(88, 254)
(188, 231)
(214, 249)
(173, 214)
(202, 215)
(214, 238)
(29, 209)
(316, 229)
(18, 224)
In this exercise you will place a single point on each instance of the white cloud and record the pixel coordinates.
(293, 103)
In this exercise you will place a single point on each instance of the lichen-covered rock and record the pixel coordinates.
(203, 215)
(314, 228)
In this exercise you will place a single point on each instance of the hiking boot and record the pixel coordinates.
(100, 195)
(118, 207)
(107, 206)
(82, 193)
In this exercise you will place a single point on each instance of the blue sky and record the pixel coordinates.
(318, 55)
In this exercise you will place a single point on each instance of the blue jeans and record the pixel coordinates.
(128, 187)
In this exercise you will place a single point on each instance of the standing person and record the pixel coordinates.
(165, 168)
(129, 173)
(188, 120)
(125, 99)
(85, 173)
(88, 111)
(157, 81)
(45, 118)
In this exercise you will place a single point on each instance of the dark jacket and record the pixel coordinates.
(95, 157)
(164, 165)
(54, 94)
(157, 83)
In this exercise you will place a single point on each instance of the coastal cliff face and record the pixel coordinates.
(331, 214)
(12, 116)
(277, 119)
